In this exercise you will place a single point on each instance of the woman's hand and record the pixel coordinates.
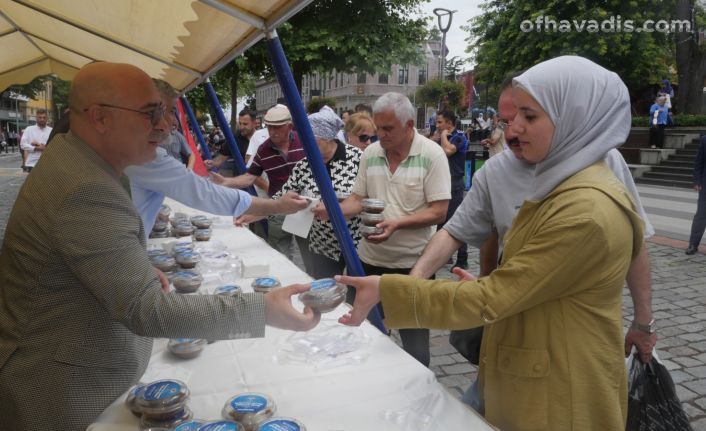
(320, 212)
(366, 296)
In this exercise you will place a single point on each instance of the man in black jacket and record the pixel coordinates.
(699, 223)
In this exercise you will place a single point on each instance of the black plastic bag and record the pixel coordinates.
(467, 343)
(653, 404)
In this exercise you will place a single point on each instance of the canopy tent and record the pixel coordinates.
(179, 41)
(182, 42)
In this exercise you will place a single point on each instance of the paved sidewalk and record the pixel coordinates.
(679, 304)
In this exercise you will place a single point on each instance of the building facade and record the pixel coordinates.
(351, 89)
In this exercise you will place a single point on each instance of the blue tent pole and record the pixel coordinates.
(225, 127)
(316, 162)
(197, 130)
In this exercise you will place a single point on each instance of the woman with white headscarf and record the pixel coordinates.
(323, 258)
(552, 351)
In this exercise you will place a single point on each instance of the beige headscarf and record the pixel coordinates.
(590, 108)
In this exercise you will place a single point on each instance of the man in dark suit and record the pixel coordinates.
(699, 224)
(79, 300)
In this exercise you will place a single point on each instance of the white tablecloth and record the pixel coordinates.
(387, 387)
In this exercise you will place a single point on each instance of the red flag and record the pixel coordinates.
(199, 167)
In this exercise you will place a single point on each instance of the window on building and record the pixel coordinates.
(422, 75)
(403, 75)
(382, 78)
(361, 78)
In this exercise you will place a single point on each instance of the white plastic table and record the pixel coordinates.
(385, 390)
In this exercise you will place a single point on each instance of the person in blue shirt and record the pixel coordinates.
(455, 145)
(165, 176)
(658, 121)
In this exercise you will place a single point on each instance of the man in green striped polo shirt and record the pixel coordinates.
(411, 174)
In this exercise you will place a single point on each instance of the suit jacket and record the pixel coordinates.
(79, 298)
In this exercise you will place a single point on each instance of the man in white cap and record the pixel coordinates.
(276, 156)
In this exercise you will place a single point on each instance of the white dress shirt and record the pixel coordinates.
(34, 134)
(258, 138)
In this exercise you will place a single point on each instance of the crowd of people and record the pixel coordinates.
(554, 212)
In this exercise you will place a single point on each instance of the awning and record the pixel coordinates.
(179, 41)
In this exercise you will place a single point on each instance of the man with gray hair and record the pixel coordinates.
(411, 174)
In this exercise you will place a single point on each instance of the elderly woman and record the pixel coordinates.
(324, 258)
(552, 353)
(360, 130)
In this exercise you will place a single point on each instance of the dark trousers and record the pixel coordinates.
(324, 267)
(699, 224)
(457, 189)
(657, 136)
(303, 245)
(414, 341)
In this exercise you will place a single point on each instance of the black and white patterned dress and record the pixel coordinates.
(343, 168)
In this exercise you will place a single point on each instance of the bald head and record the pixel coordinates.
(112, 108)
(105, 82)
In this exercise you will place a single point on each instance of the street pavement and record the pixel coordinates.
(678, 282)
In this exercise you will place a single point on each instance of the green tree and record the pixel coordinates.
(315, 104)
(441, 93)
(347, 36)
(691, 58)
(454, 67)
(499, 45)
(327, 35)
(60, 96)
(31, 89)
(362, 35)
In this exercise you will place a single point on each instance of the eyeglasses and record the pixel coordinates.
(366, 138)
(154, 115)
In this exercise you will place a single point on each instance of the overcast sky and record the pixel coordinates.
(466, 9)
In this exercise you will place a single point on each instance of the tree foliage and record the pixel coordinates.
(31, 89)
(499, 46)
(229, 84)
(453, 67)
(346, 35)
(327, 35)
(60, 97)
(437, 92)
(691, 58)
(315, 104)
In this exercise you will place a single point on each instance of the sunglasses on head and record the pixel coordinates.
(366, 138)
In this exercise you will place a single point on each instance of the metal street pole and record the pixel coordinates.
(440, 13)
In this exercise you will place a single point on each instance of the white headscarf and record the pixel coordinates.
(325, 124)
(590, 108)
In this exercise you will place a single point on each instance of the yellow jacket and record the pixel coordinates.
(552, 353)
